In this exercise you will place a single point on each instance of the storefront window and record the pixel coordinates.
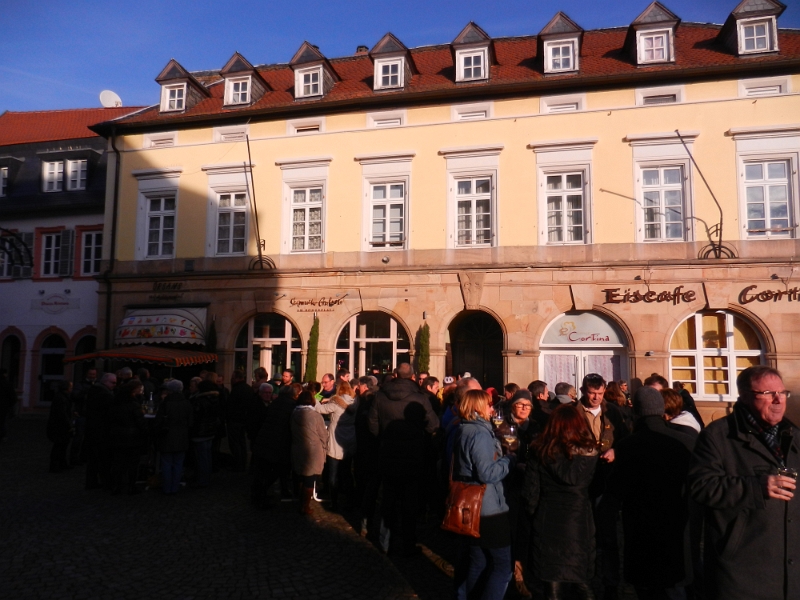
(271, 341)
(372, 342)
(709, 350)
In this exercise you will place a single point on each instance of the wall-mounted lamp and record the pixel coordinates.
(385, 260)
(41, 292)
(649, 353)
(637, 278)
(278, 295)
(519, 352)
(774, 276)
(67, 291)
(424, 314)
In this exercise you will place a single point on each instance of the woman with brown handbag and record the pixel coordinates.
(477, 458)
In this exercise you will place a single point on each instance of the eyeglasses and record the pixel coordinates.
(783, 394)
(524, 405)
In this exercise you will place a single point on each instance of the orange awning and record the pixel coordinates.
(170, 357)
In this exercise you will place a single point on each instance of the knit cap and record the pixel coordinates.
(519, 395)
(648, 402)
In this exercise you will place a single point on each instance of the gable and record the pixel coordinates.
(173, 70)
(306, 54)
(560, 23)
(471, 34)
(388, 44)
(655, 13)
(237, 64)
(753, 8)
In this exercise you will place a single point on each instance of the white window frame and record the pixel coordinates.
(641, 189)
(163, 139)
(49, 266)
(307, 206)
(477, 111)
(155, 183)
(3, 182)
(233, 133)
(642, 94)
(91, 242)
(53, 176)
(76, 174)
(764, 86)
(770, 30)
(227, 178)
(233, 97)
(380, 63)
(379, 169)
(473, 198)
(550, 45)
(180, 103)
(387, 119)
(299, 84)
(370, 202)
(297, 173)
(305, 126)
(544, 193)
(463, 54)
(567, 103)
(232, 210)
(161, 213)
(669, 52)
(791, 160)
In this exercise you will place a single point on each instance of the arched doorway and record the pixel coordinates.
(11, 358)
(52, 366)
(271, 341)
(709, 350)
(476, 347)
(85, 345)
(582, 342)
(372, 341)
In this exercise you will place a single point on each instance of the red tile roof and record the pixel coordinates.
(602, 60)
(52, 125)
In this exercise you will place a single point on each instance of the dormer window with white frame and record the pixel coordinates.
(238, 90)
(757, 35)
(654, 46)
(308, 82)
(389, 73)
(472, 64)
(173, 97)
(561, 56)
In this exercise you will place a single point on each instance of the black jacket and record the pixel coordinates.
(240, 401)
(648, 477)
(173, 421)
(273, 442)
(126, 423)
(59, 423)
(98, 402)
(206, 414)
(401, 416)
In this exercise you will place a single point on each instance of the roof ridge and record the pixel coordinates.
(54, 110)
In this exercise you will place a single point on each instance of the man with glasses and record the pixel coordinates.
(744, 475)
(328, 386)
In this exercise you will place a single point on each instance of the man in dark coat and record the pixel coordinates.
(173, 422)
(79, 393)
(402, 417)
(98, 460)
(60, 426)
(240, 401)
(272, 448)
(648, 479)
(744, 474)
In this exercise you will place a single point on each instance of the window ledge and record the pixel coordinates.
(742, 133)
(467, 151)
(310, 161)
(388, 157)
(647, 139)
(558, 145)
(232, 168)
(166, 172)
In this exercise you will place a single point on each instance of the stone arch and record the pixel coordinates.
(16, 332)
(233, 333)
(36, 359)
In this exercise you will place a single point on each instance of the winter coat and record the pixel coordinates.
(274, 440)
(206, 415)
(342, 427)
(613, 430)
(752, 544)
(401, 416)
(173, 421)
(240, 401)
(126, 423)
(556, 493)
(59, 422)
(98, 402)
(648, 476)
(478, 457)
(366, 443)
(309, 441)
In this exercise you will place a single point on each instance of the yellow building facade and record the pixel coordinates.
(617, 201)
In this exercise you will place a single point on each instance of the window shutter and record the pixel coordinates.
(23, 256)
(66, 256)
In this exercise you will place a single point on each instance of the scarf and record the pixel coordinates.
(767, 435)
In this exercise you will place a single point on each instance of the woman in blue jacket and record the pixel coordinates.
(478, 457)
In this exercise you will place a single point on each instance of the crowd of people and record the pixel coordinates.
(559, 469)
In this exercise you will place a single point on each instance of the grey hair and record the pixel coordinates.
(173, 385)
(265, 387)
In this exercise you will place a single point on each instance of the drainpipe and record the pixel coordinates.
(112, 256)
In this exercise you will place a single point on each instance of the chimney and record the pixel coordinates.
(361, 50)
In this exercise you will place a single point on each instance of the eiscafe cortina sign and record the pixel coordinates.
(749, 294)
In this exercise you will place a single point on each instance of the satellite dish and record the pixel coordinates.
(110, 99)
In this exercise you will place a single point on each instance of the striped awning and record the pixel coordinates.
(171, 357)
(162, 326)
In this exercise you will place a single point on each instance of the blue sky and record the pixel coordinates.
(57, 54)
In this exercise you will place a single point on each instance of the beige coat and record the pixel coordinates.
(342, 428)
(309, 441)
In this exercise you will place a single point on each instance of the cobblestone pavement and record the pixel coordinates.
(59, 541)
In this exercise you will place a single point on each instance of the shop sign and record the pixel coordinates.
(55, 304)
(749, 294)
(676, 296)
(167, 291)
(324, 304)
(581, 329)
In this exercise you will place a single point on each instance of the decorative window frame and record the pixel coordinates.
(385, 168)
(557, 157)
(472, 161)
(165, 89)
(298, 82)
(302, 172)
(761, 87)
(229, 83)
(571, 41)
(770, 143)
(162, 139)
(305, 126)
(669, 46)
(562, 104)
(54, 263)
(57, 179)
(400, 61)
(642, 94)
(663, 150)
(772, 35)
(462, 53)
(226, 179)
(477, 111)
(387, 119)
(80, 184)
(80, 245)
(231, 134)
(153, 183)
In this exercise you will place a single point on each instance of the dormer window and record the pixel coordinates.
(237, 90)
(173, 97)
(560, 56)
(654, 46)
(472, 64)
(756, 36)
(308, 82)
(389, 73)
